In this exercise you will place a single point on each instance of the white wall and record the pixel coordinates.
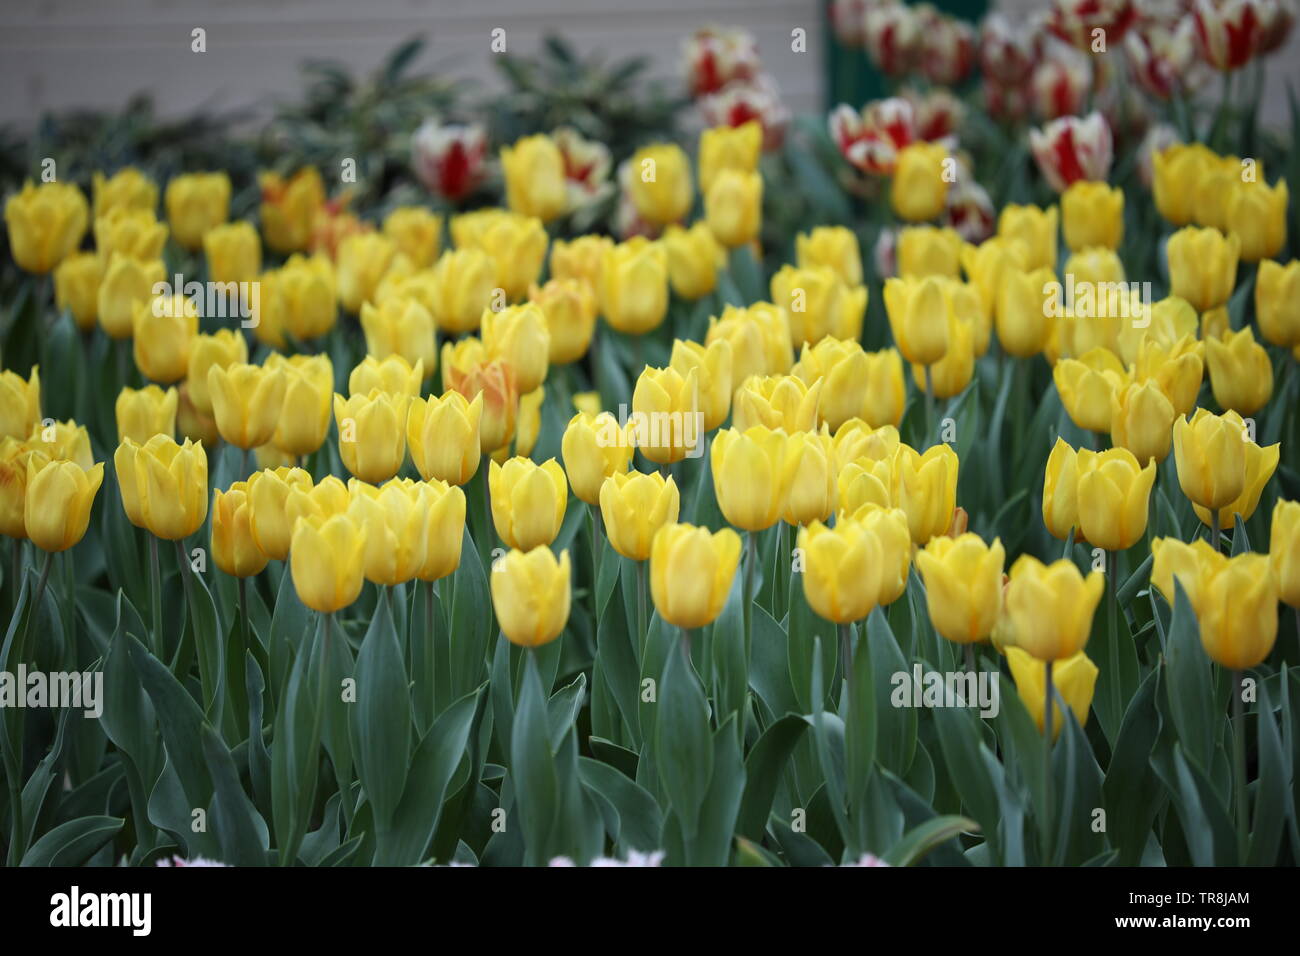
(97, 53)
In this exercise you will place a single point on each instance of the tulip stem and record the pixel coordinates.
(1218, 529)
(243, 613)
(243, 464)
(929, 407)
(1047, 762)
(155, 596)
(642, 618)
(970, 658)
(1239, 769)
(751, 566)
(846, 664)
(16, 569)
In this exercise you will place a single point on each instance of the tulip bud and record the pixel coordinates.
(135, 234)
(1177, 369)
(759, 337)
(372, 433)
(1074, 679)
(127, 285)
(196, 204)
(221, 349)
(393, 375)
(516, 245)
(396, 529)
(442, 434)
(728, 147)
(164, 330)
(56, 504)
(528, 501)
(694, 258)
(963, 585)
(20, 403)
(1241, 373)
(145, 412)
(856, 384)
(534, 174)
(1022, 309)
(1035, 228)
(400, 326)
(986, 264)
(76, 287)
(463, 281)
(247, 402)
(1142, 421)
(667, 421)
(582, 258)
(660, 183)
(777, 401)
(819, 304)
(518, 336)
(733, 206)
(634, 286)
(1211, 458)
(14, 457)
(528, 425)
(570, 309)
(1087, 386)
(290, 208)
(233, 548)
(929, 251)
(1260, 465)
(952, 373)
(1202, 266)
(327, 560)
(748, 476)
(531, 595)
(445, 530)
(1051, 607)
(926, 489)
(842, 568)
(1071, 148)
(308, 392)
(1277, 302)
(1093, 215)
(856, 439)
(634, 506)
(234, 252)
(1236, 607)
(1114, 492)
(128, 189)
(919, 186)
(1284, 550)
(164, 486)
(362, 261)
(594, 447)
(269, 521)
(46, 224)
(831, 247)
(712, 365)
(417, 232)
(1177, 172)
(691, 572)
(918, 316)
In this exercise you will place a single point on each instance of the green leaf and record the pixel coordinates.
(683, 743)
(1271, 789)
(763, 769)
(639, 818)
(1190, 688)
(532, 766)
(240, 831)
(381, 717)
(1131, 791)
(72, 843)
(179, 720)
(920, 840)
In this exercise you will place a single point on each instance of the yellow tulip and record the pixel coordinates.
(221, 349)
(985, 264)
(518, 335)
(918, 316)
(194, 424)
(1087, 386)
(1074, 679)
(534, 174)
(463, 282)
(400, 326)
(196, 204)
(1220, 176)
(444, 505)
(127, 189)
(856, 439)
(889, 525)
(1256, 215)
(163, 331)
(308, 393)
(866, 481)
(327, 561)
(1177, 172)
(929, 251)
(842, 568)
(691, 572)
(247, 402)
(300, 297)
(570, 309)
(819, 303)
(582, 258)
(517, 247)
(528, 425)
(963, 585)
(660, 183)
(1022, 310)
(594, 448)
(749, 476)
(1114, 492)
(1099, 268)
(759, 337)
(729, 147)
(290, 208)
(442, 434)
(164, 486)
(531, 595)
(666, 418)
(495, 381)
(362, 261)
(777, 401)
(1260, 465)
(528, 501)
(372, 433)
(1202, 266)
(46, 224)
(918, 188)
(1277, 302)
(1236, 606)
(135, 234)
(1241, 373)
(712, 365)
(1177, 369)
(14, 458)
(1036, 229)
(270, 522)
(1284, 550)
(634, 506)
(1092, 215)
(234, 252)
(233, 548)
(417, 233)
(396, 529)
(393, 374)
(856, 384)
(831, 247)
(143, 413)
(633, 287)
(1142, 420)
(1189, 564)
(56, 505)
(76, 287)
(733, 206)
(1210, 454)
(1050, 607)
(926, 489)
(587, 402)
(694, 258)
(20, 403)
(126, 286)
(809, 478)
(952, 373)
